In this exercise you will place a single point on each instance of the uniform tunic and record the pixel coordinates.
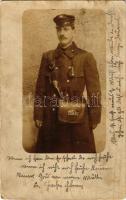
(55, 137)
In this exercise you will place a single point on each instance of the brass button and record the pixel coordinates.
(68, 81)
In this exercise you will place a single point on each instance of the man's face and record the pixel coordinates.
(65, 35)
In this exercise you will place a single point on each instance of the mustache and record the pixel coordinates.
(62, 37)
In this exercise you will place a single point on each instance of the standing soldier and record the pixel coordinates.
(64, 118)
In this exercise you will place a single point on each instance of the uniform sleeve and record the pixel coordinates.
(40, 91)
(93, 89)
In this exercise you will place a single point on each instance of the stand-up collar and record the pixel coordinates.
(69, 51)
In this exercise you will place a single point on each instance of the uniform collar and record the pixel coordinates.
(69, 51)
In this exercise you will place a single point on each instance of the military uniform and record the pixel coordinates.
(59, 64)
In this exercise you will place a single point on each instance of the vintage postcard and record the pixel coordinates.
(63, 93)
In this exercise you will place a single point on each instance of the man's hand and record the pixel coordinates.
(38, 123)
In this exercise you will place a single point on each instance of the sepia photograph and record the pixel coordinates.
(64, 81)
(63, 100)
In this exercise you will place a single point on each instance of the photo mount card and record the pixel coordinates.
(28, 32)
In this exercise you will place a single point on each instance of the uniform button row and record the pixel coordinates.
(68, 81)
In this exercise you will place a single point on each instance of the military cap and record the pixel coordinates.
(64, 20)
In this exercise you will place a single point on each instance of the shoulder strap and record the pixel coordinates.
(51, 58)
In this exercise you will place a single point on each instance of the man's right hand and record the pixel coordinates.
(38, 123)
